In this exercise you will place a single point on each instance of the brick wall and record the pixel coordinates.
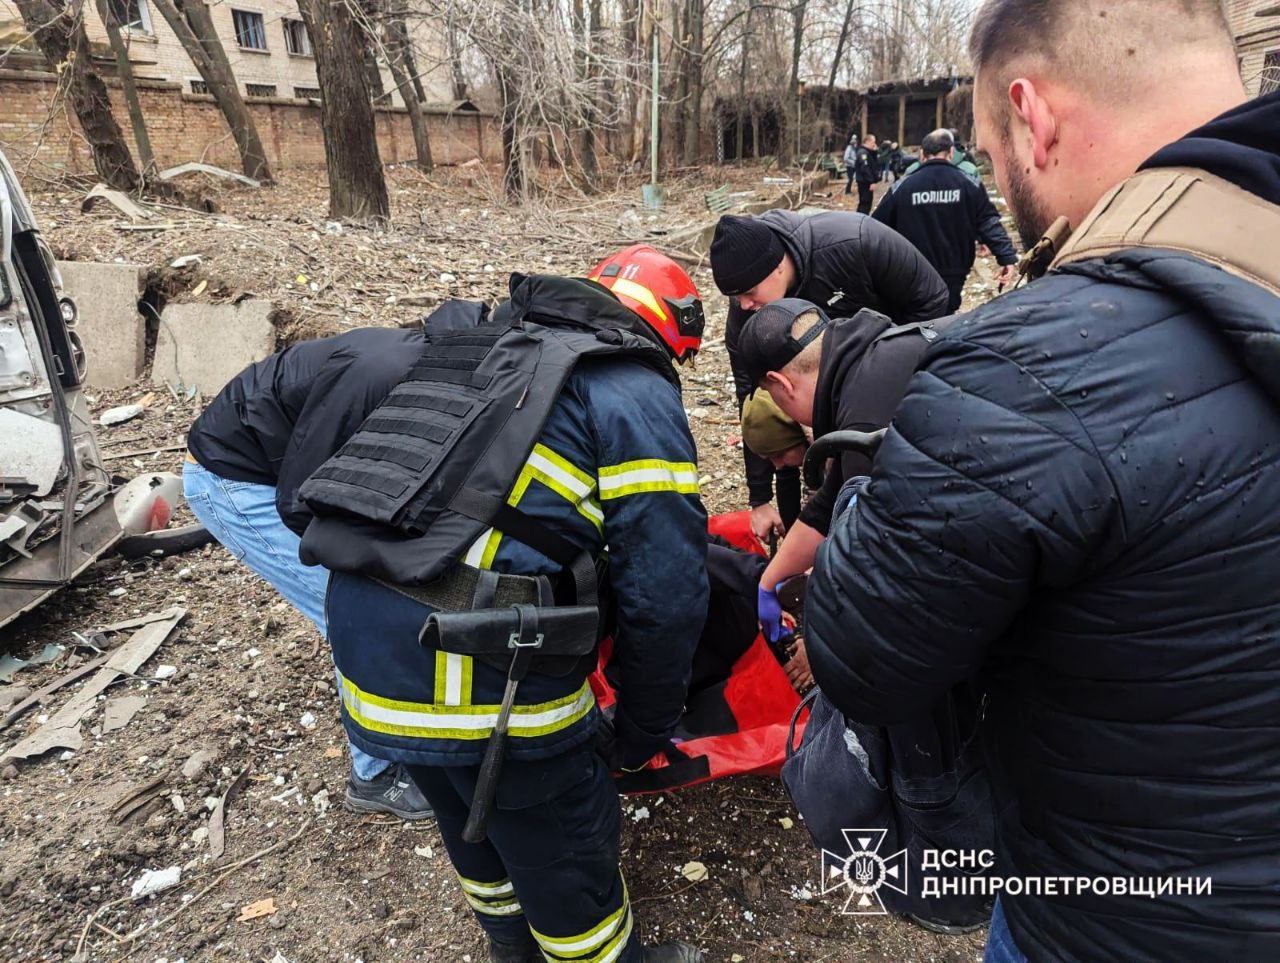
(189, 127)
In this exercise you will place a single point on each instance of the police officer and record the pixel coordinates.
(944, 214)
(839, 260)
(466, 524)
(867, 172)
(256, 442)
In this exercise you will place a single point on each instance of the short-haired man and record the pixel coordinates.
(1078, 499)
(837, 259)
(944, 214)
(867, 172)
(829, 375)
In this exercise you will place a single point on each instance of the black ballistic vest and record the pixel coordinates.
(431, 467)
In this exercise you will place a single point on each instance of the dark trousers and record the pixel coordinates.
(955, 287)
(550, 864)
(866, 197)
(848, 183)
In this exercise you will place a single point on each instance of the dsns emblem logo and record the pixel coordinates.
(863, 871)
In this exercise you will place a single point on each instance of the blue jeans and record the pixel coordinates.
(243, 517)
(1000, 945)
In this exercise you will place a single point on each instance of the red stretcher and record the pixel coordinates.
(736, 726)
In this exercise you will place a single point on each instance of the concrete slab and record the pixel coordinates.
(110, 325)
(207, 345)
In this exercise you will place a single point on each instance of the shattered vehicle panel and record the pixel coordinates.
(57, 500)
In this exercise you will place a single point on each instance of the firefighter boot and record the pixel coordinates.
(523, 952)
(676, 952)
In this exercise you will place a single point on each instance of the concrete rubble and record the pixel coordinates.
(206, 345)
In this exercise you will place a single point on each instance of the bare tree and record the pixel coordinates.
(398, 54)
(193, 26)
(58, 29)
(124, 70)
(357, 187)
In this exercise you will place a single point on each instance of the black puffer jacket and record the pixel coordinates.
(846, 262)
(1080, 501)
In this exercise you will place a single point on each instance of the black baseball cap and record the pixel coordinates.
(767, 343)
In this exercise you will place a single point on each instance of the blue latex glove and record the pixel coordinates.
(769, 611)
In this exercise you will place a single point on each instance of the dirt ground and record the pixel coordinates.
(248, 667)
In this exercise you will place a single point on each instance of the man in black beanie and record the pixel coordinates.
(842, 262)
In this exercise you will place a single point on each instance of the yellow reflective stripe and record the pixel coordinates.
(452, 679)
(422, 720)
(566, 480)
(442, 671)
(648, 475)
(509, 907)
(501, 888)
(638, 292)
(606, 939)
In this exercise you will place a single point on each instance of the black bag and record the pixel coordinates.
(924, 782)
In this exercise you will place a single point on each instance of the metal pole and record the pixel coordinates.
(653, 112)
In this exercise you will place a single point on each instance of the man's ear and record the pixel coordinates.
(1036, 113)
(776, 379)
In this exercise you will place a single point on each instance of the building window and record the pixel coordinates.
(307, 93)
(1270, 73)
(260, 90)
(251, 32)
(199, 87)
(296, 40)
(132, 15)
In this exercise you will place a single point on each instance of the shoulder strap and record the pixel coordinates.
(926, 329)
(1187, 210)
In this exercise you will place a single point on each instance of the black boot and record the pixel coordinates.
(675, 952)
(523, 952)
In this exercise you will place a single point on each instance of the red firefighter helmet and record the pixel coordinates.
(656, 288)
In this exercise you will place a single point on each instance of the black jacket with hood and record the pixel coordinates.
(1078, 503)
(861, 380)
(278, 420)
(845, 262)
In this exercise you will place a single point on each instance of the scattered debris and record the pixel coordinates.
(187, 260)
(217, 821)
(9, 665)
(256, 909)
(120, 201)
(196, 762)
(786, 822)
(320, 802)
(166, 672)
(641, 812)
(195, 167)
(333, 752)
(120, 711)
(38, 696)
(116, 416)
(694, 871)
(62, 731)
(137, 801)
(308, 720)
(154, 881)
(426, 852)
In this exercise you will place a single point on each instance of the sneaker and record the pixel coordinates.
(391, 791)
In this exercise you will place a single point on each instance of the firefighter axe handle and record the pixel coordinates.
(476, 828)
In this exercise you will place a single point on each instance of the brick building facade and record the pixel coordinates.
(265, 41)
(1256, 25)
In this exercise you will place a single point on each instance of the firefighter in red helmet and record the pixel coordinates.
(465, 524)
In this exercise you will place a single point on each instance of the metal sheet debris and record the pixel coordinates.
(62, 731)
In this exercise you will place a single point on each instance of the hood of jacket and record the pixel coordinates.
(843, 347)
(1241, 146)
(579, 304)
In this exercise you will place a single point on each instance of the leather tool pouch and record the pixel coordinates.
(561, 636)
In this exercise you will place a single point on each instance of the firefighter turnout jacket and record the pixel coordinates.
(611, 470)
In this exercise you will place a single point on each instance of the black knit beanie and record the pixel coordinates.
(744, 252)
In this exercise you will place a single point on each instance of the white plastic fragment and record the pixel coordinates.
(156, 881)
